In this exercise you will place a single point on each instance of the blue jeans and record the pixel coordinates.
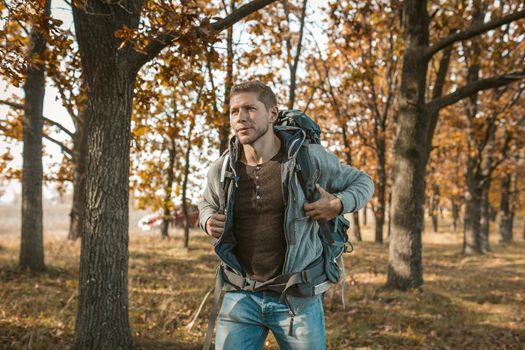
(246, 317)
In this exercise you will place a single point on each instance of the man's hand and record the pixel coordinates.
(215, 225)
(326, 208)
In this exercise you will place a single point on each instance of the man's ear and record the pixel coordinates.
(274, 112)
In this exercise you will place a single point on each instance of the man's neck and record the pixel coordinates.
(261, 152)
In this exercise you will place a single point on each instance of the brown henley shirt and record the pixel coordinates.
(259, 219)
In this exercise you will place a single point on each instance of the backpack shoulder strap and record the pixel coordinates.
(225, 181)
(308, 176)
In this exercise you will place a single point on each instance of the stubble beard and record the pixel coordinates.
(250, 140)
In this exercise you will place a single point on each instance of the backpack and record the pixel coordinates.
(333, 234)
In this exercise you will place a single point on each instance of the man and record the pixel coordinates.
(264, 227)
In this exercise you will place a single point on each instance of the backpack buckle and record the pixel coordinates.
(249, 284)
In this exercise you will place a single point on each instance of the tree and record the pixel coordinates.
(170, 96)
(63, 69)
(32, 241)
(113, 47)
(416, 122)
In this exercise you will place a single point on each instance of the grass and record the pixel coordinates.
(473, 302)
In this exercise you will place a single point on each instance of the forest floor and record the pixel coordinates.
(467, 302)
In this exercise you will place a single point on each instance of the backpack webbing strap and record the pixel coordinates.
(307, 179)
(343, 282)
(219, 282)
(225, 180)
(281, 284)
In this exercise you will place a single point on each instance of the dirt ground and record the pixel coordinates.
(467, 302)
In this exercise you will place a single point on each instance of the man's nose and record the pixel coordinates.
(243, 114)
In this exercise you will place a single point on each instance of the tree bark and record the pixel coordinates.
(381, 190)
(455, 215)
(434, 207)
(405, 268)
(389, 229)
(166, 203)
(365, 218)
(32, 236)
(294, 61)
(472, 232)
(102, 316)
(506, 214)
(184, 193)
(224, 129)
(356, 226)
(110, 68)
(472, 238)
(485, 216)
(79, 180)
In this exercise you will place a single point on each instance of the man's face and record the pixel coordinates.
(249, 117)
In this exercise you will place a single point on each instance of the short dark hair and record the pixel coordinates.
(264, 92)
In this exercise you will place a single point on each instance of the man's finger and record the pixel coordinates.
(312, 206)
(216, 223)
(320, 189)
(219, 217)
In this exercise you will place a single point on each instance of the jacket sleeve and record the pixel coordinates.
(353, 187)
(209, 202)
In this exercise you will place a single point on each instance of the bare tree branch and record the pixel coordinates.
(60, 126)
(47, 120)
(472, 32)
(437, 92)
(12, 104)
(472, 88)
(239, 14)
(66, 150)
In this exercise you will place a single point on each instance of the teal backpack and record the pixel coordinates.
(333, 234)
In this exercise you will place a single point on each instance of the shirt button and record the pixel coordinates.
(257, 176)
(258, 186)
(258, 197)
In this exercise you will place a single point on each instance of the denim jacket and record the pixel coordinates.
(353, 187)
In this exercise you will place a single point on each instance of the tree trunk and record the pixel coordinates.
(487, 163)
(472, 238)
(32, 239)
(224, 129)
(184, 193)
(389, 230)
(381, 191)
(166, 203)
(102, 316)
(472, 232)
(523, 229)
(506, 215)
(356, 226)
(365, 209)
(455, 215)
(79, 180)
(294, 62)
(485, 216)
(434, 207)
(405, 268)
